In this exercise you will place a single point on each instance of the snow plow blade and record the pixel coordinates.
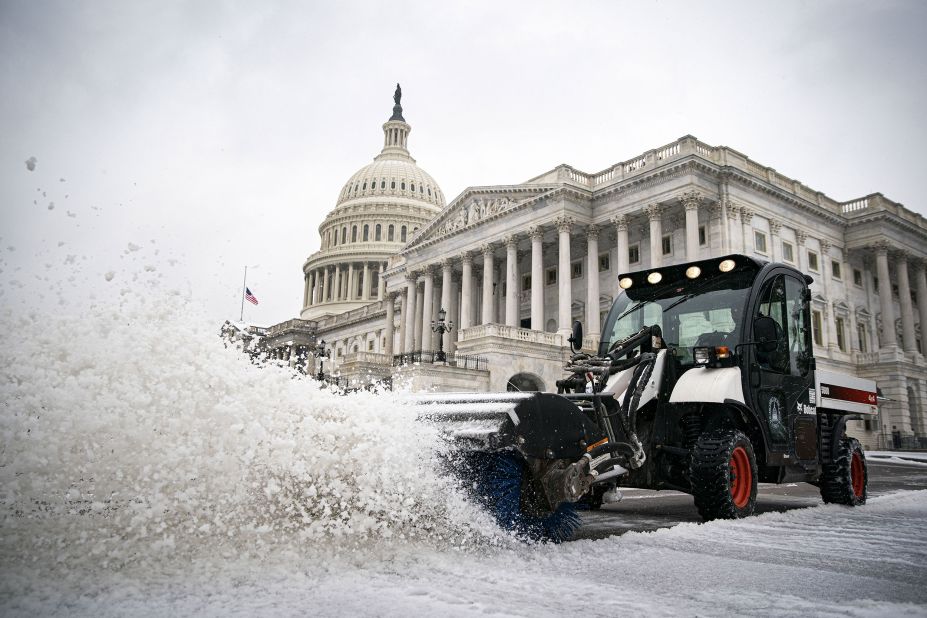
(538, 425)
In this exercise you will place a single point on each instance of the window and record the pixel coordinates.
(370, 346)
(382, 184)
(634, 254)
(526, 282)
(354, 233)
(412, 187)
(773, 305)
(788, 254)
(576, 269)
(550, 276)
(390, 234)
(841, 337)
(835, 269)
(377, 234)
(392, 184)
(813, 261)
(702, 236)
(816, 327)
(861, 338)
(366, 233)
(364, 188)
(402, 234)
(344, 235)
(759, 241)
(857, 277)
(668, 244)
(605, 262)
(403, 185)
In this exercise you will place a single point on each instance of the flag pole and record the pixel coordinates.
(244, 285)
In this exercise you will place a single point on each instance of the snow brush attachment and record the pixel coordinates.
(500, 483)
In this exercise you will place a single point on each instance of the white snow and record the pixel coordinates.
(906, 458)
(146, 469)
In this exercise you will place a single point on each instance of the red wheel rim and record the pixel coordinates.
(741, 477)
(857, 475)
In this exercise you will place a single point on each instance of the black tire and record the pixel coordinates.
(846, 479)
(723, 475)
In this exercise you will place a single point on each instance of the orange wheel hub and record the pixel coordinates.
(741, 477)
(857, 475)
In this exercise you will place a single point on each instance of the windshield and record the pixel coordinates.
(704, 313)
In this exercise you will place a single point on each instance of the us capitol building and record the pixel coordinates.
(513, 265)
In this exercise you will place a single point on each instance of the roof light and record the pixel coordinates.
(693, 271)
(726, 266)
(654, 277)
(625, 283)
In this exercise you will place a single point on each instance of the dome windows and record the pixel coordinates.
(344, 235)
(382, 184)
(366, 232)
(364, 188)
(377, 233)
(354, 234)
(390, 234)
(412, 187)
(403, 185)
(392, 184)
(402, 234)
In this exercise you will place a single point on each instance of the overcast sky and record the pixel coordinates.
(220, 134)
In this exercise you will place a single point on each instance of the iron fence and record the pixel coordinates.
(463, 361)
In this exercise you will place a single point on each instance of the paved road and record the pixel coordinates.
(644, 510)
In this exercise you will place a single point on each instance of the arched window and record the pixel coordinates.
(403, 185)
(364, 188)
(392, 184)
(334, 238)
(412, 187)
(389, 233)
(377, 233)
(344, 235)
(382, 184)
(354, 233)
(429, 191)
(414, 230)
(402, 234)
(328, 238)
(366, 232)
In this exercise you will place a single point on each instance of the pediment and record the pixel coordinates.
(464, 214)
(862, 313)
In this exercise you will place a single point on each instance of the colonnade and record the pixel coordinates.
(345, 282)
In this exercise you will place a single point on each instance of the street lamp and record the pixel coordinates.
(441, 327)
(321, 353)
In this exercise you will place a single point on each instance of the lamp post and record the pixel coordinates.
(321, 353)
(441, 327)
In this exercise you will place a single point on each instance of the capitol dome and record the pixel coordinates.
(378, 211)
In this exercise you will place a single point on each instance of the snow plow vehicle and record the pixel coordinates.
(704, 382)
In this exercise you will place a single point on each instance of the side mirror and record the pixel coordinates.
(576, 338)
(765, 333)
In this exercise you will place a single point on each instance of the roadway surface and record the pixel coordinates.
(644, 510)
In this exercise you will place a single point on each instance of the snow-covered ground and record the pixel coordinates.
(146, 469)
(899, 457)
(824, 561)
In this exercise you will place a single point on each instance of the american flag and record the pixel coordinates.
(251, 298)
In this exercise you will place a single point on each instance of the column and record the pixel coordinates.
(365, 294)
(746, 216)
(655, 214)
(907, 310)
(537, 277)
(390, 327)
(466, 294)
(734, 244)
(827, 287)
(724, 206)
(511, 281)
(867, 286)
(408, 344)
(307, 286)
(592, 282)
(775, 226)
(453, 314)
(802, 258)
(352, 287)
(446, 299)
(420, 342)
(381, 283)
(920, 280)
(488, 266)
(885, 295)
(621, 225)
(564, 327)
(691, 202)
(428, 312)
(325, 285)
(403, 318)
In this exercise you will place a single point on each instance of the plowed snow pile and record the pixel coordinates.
(131, 435)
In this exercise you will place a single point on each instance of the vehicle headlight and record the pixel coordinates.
(654, 277)
(702, 355)
(625, 283)
(727, 266)
(693, 271)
